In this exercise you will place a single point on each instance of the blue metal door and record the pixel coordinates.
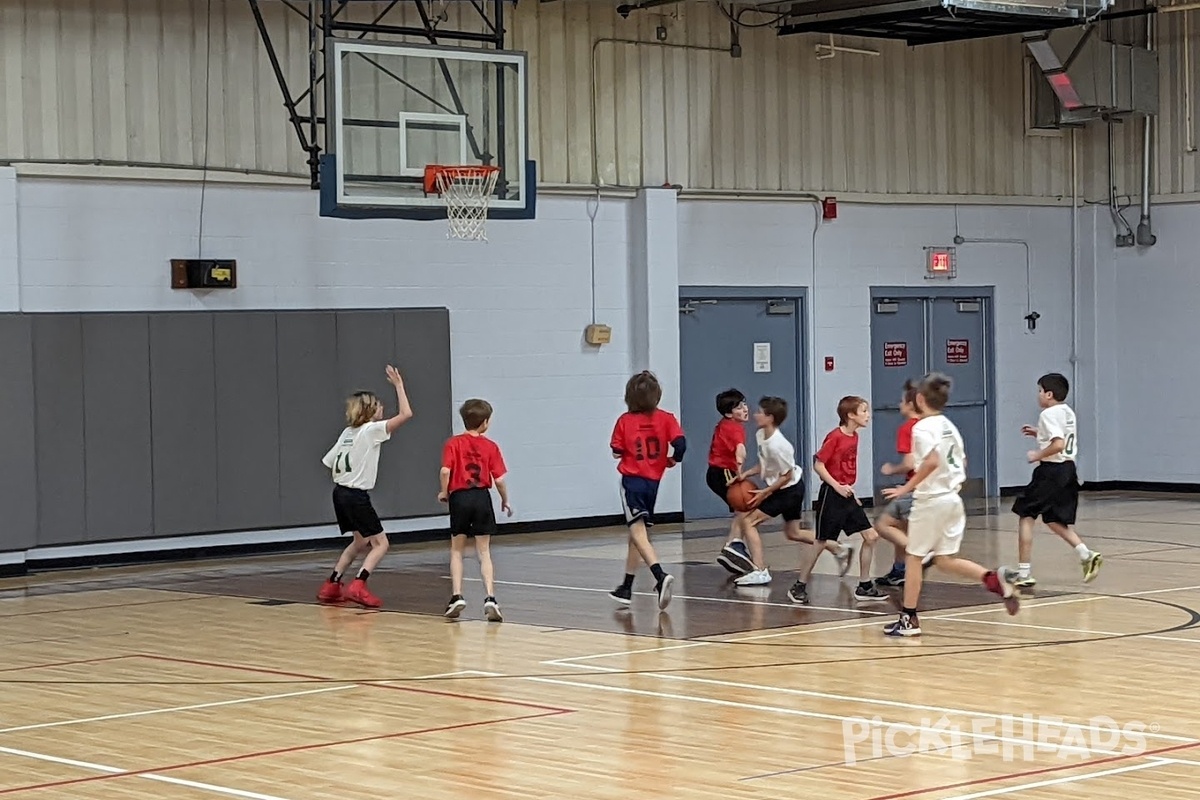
(898, 353)
(752, 345)
(958, 347)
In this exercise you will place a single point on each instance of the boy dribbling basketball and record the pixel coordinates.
(354, 462)
(726, 455)
(938, 519)
(1053, 492)
(640, 442)
(471, 465)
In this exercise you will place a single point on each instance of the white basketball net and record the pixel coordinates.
(467, 194)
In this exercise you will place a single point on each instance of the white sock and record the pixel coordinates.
(1023, 570)
(1082, 551)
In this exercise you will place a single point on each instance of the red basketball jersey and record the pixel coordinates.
(643, 441)
(474, 462)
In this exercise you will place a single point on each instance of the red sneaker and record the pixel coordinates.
(359, 593)
(331, 592)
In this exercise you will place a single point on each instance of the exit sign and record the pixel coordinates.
(940, 262)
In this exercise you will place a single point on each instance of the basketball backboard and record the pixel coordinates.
(396, 108)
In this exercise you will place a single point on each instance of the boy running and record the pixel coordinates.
(938, 519)
(838, 510)
(640, 443)
(725, 458)
(892, 524)
(1053, 493)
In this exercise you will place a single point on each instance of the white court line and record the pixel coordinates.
(1074, 630)
(131, 714)
(1058, 781)
(818, 628)
(685, 597)
(208, 787)
(901, 704)
(795, 712)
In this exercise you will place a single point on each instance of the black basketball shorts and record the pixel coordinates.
(1052, 494)
(354, 511)
(472, 513)
(837, 514)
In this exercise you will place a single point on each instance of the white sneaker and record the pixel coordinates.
(760, 577)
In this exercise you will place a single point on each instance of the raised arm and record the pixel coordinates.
(405, 412)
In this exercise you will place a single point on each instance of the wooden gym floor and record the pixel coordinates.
(226, 679)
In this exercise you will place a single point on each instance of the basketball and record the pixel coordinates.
(740, 494)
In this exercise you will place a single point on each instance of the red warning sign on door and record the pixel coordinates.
(895, 354)
(958, 351)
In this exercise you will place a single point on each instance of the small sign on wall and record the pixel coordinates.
(958, 351)
(762, 356)
(895, 354)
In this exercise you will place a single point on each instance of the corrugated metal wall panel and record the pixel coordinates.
(124, 80)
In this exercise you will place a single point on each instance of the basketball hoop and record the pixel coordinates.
(467, 191)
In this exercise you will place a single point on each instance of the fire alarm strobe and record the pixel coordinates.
(203, 273)
(829, 209)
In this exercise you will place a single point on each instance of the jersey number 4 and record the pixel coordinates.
(341, 464)
(952, 456)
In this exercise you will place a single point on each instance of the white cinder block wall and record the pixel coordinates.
(518, 303)
(739, 243)
(1155, 316)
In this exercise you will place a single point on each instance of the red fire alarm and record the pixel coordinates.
(829, 209)
(829, 363)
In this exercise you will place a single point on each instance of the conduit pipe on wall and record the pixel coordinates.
(1145, 234)
(595, 133)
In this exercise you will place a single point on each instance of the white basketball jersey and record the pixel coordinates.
(354, 460)
(938, 433)
(1057, 422)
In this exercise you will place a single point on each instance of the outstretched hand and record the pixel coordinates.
(393, 375)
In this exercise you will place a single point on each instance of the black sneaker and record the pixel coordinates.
(891, 580)
(798, 594)
(905, 626)
(492, 610)
(456, 606)
(622, 594)
(735, 558)
(869, 594)
(664, 591)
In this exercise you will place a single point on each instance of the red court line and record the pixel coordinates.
(64, 663)
(1032, 772)
(280, 751)
(411, 689)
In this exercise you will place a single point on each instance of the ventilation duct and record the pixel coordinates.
(1091, 79)
(930, 21)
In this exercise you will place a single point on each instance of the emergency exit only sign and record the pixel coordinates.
(895, 354)
(958, 351)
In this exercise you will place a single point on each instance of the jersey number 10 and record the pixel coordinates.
(648, 449)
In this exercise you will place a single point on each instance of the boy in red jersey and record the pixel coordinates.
(471, 465)
(640, 441)
(892, 524)
(725, 458)
(838, 510)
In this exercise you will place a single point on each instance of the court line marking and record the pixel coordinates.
(113, 772)
(117, 772)
(817, 715)
(901, 704)
(189, 599)
(63, 663)
(1159, 637)
(686, 597)
(1153, 763)
(568, 661)
(194, 707)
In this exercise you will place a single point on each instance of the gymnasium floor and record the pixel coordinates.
(226, 679)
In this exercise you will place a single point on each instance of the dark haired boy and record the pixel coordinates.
(1053, 492)
(783, 495)
(838, 510)
(640, 442)
(892, 523)
(726, 455)
(471, 465)
(937, 520)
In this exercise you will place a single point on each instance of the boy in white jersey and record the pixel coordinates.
(354, 462)
(938, 519)
(1053, 493)
(784, 492)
